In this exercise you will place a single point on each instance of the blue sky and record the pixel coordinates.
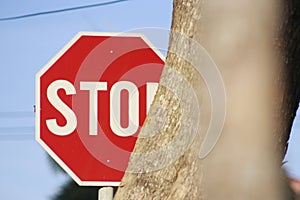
(293, 155)
(26, 46)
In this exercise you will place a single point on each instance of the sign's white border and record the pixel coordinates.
(44, 70)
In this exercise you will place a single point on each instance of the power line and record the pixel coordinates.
(16, 114)
(16, 137)
(61, 10)
(19, 133)
(17, 129)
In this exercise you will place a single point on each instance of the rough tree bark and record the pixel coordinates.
(289, 75)
(241, 38)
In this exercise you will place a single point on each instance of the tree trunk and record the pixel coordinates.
(241, 38)
(289, 75)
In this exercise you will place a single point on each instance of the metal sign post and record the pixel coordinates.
(106, 193)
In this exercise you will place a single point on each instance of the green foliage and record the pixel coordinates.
(71, 191)
(54, 165)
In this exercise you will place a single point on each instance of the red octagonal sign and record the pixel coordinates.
(91, 101)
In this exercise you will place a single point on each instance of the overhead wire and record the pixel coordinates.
(16, 114)
(5, 132)
(16, 137)
(16, 133)
(61, 10)
(14, 129)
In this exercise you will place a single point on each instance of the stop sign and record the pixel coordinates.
(91, 101)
